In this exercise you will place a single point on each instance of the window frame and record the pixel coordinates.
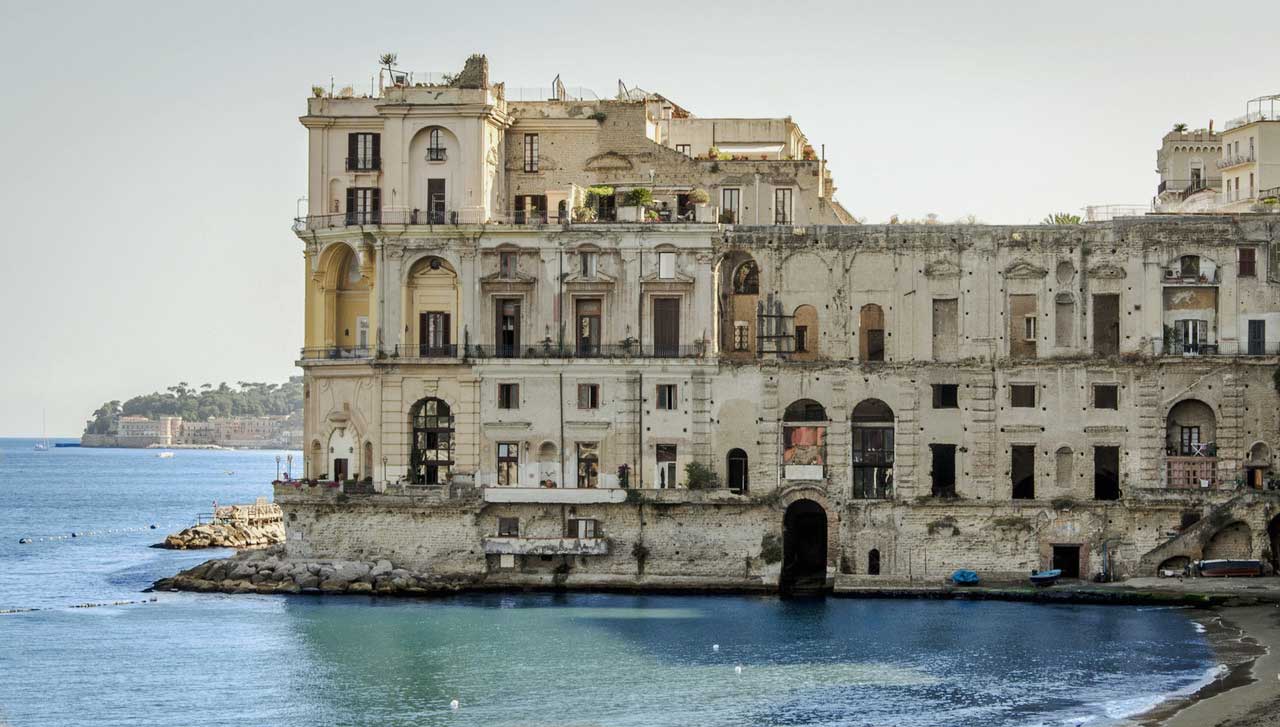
(731, 202)
(592, 398)
(1016, 389)
(1247, 268)
(508, 527)
(946, 396)
(508, 395)
(666, 397)
(686, 149)
(435, 150)
(531, 153)
(783, 206)
(507, 458)
(1115, 393)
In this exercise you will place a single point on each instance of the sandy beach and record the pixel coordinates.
(1247, 693)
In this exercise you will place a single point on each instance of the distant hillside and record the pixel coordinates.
(246, 398)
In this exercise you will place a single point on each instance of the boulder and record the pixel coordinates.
(360, 587)
(380, 568)
(333, 585)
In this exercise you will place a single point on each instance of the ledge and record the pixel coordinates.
(545, 546)
(555, 495)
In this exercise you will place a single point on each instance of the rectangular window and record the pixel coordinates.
(434, 334)
(363, 152)
(1029, 329)
(667, 398)
(583, 528)
(666, 327)
(508, 396)
(1106, 323)
(1189, 441)
(666, 265)
(666, 457)
(508, 527)
(531, 152)
(946, 396)
(1022, 471)
(588, 464)
(1023, 310)
(588, 396)
(730, 200)
(507, 265)
(364, 205)
(1022, 395)
(1106, 396)
(943, 474)
(1106, 473)
(802, 339)
(508, 464)
(782, 206)
(684, 149)
(1247, 263)
(588, 327)
(507, 327)
(1257, 337)
(1193, 333)
(587, 261)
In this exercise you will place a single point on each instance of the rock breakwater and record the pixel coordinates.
(226, 535)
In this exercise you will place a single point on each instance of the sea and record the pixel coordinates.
(83, 643)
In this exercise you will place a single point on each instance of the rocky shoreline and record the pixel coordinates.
(226, 535)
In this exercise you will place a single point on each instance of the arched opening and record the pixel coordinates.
(804, 548)
(1190, 445)
(1257, 468)
(873, 562)
(431, 451)
(1064, 459)
(1176, 564)
(1234, 542)
(873, 445)
(746, 279)
(342, 455)
(548, 465)
(431, 310)
(346, 286)
(805, 333)
(871, 333)
(434, 176)
(736, 469)
(739, 288)
(804, 440)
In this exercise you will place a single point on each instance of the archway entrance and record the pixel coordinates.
(804, 548)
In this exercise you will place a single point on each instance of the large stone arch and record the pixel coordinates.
(806, 546)
(1232, 542)
(432, 307)
(427, 162)
(872, 427)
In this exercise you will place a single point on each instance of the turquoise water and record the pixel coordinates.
(510, 659)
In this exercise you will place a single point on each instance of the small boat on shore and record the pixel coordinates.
(1228, 568)
(964, 578)
(1046, 577)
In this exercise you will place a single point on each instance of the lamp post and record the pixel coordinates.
(384, 469)
(288, 466)
(277, 467)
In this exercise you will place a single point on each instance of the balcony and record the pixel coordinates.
(337, 353)
(555, 495)
(547, 349)
(425, 351)
(545, 546)
(1183, 188)
(1191, 472)
(1236, 160)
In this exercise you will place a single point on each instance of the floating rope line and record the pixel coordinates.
(77, 534)
(79, 605)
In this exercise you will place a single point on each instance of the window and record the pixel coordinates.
(363, 152)
(587, 261)
(1190, 266)
(782, 206)
(1247, 262)
(802, 339)
(588, 464)
(684, 149)
(508, 396)
(1106, 473)
(667, 396)
(588, 396)
(507, 264)
(1106, 323)
(588, 326)
(666, 327)
(666, 457)
(730, 200)
(946, 396)
(1189, 441)
(435, 152)
(666, 265)
(871, 330)
(508, 464)
(531, 152)
(582, 528)
(1022, 470)
(508, 527)
(1106, 396)
(364, 205)
(1022, 395)
(1029, 328)
(508, 327)
(741, 335)
(1193, 334)
(1257, 337)
(943, 474)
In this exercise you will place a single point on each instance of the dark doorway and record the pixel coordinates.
(666, 326)
(737, 466)
(588, 328)
(943, 474)
(804, 548)
(340, 473)
(507, 333)
(1106, 324)
(1257, 338)
(1022, 471)
(1106, 473)
(433, 334)
(873, 562)
(1066, 558)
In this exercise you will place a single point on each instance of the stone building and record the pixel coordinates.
(520, 392)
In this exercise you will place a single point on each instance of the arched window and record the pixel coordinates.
(736, 466)
(431, 453)
(746, 279)
(804, 410)
(873, 562)
(435, 150)
(1064, 459)
(804, 441)
(806, 332)
(871, 333)
(872, 434)
(1191, 446)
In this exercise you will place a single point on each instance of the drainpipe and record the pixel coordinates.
(640, 431)
(757, 198)
(560, 308)
(562, 470)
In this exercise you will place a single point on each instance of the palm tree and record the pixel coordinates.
(1179, 127)
(1061, 218)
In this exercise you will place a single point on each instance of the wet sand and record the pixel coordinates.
(1247, 694)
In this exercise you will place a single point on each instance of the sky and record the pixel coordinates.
(155, 159)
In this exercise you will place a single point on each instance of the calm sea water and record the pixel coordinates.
(535, 659)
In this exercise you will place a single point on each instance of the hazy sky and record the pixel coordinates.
(154, 157)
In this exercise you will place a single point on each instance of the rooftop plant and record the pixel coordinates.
(639, 197)
(698, 195)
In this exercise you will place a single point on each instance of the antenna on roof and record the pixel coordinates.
(623, 93)
(557, 89)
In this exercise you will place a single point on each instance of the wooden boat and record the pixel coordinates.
(1046, 577)
(1225, 568)
(964, 578)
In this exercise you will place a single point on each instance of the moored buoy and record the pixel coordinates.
(738, 670)
(715, 647)
(24, 541)
(454, 705)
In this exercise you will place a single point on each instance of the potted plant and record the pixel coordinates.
(702, 210)
(634, 202)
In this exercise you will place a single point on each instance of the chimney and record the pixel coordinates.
(1210, 126)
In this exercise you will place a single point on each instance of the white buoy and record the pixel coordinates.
(454, 705)
(715, 647)
(738, 670)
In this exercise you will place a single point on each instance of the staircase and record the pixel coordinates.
(1255, 508)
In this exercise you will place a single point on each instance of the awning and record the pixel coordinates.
(749, 147)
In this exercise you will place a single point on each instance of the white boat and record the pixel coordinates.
(165, 455)
(43, 444)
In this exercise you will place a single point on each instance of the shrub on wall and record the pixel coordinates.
(698, 195)
(698, 476)
(639, 197)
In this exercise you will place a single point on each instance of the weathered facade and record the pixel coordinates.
(524, 398)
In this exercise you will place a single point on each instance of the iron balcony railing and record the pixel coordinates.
(1185, 187)
(1236, 160)
(334, 353)
(425, 350)
(585, 351)
(440, 217)
(363, 164)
